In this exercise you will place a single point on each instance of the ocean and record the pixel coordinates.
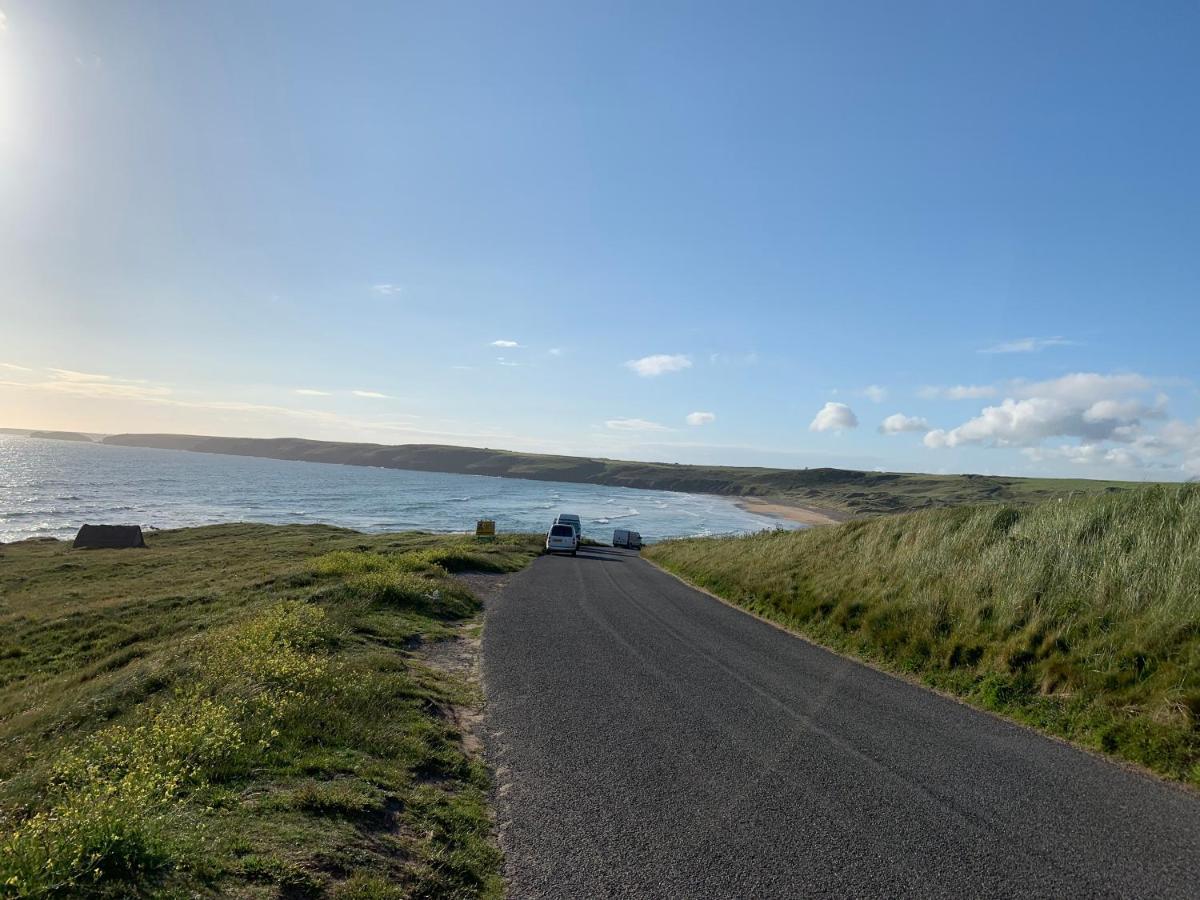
(49, 488)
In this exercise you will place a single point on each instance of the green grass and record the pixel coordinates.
(1080, 617)
(238, 710)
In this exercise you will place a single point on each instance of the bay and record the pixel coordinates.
(49, 488)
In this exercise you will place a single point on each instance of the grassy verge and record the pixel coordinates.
(1080, 616)
(236, 710)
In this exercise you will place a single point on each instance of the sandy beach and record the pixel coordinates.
(783, 509)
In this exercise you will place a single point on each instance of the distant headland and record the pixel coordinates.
(815, 495)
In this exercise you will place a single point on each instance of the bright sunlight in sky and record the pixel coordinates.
(921, 236)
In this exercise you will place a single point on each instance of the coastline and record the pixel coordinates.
(794, 512)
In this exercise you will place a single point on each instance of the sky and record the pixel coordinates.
(939, 237)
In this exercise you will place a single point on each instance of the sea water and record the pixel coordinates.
(49, 488)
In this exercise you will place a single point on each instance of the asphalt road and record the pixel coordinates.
(652, 742)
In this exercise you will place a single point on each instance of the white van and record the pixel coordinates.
(623, 537)
(574, 521)
(561, 539)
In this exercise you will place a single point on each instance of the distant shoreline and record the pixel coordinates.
(817, 496)
(784, 509)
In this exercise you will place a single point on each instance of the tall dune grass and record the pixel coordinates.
(1080, 616)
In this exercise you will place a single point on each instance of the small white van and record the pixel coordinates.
(561, 539)
(574, 521)
(623, 537)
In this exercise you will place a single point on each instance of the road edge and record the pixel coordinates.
(911, 679)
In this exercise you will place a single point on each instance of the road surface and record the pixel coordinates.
(650, 741)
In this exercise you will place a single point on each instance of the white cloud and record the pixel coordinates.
(1087, 455)
(555, 351)
(123, 389)
(970, 392)
(309, 392)
(634, 425)
(659, 364)
(898, 423)
(132, 394)
(1027, 345)
(387, 290)
(834, 417)
(82, 384)
(72, 375)
(507, 362)
(958, 392)
(13, 367)
(3, 21)
(1176, 438)
(507, 345)
(701, 418)
(1083, 387)
(875, 393)
(371, 395)
(1084, 405)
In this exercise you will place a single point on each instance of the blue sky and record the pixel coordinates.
(922, 237)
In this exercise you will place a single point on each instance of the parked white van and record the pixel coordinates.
(623, 537)
(574, 521)
(561, 539)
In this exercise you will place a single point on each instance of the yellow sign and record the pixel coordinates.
(485, 528)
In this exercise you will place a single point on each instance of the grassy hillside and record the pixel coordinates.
(240, 710)
(1081, 617)
(61, 436)
(839, 490)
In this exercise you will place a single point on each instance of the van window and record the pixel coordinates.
(562, 531)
